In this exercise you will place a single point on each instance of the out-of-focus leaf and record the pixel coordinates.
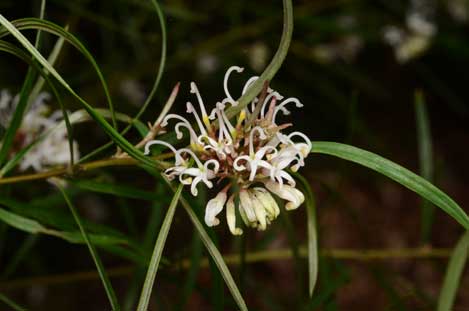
(94, 254)
(10, 303)
(424, 141)
(453, 274)
(115, 189)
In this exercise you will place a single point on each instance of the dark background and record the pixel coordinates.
(364, 99)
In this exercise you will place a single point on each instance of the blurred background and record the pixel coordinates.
(357, 67)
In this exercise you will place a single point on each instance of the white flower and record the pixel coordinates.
(413, 40)
(255, 159)
(253, 152)
(38, 123)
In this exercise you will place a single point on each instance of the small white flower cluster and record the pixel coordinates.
(412, 42)
(50, 151)
(253, 154)
(458, 9)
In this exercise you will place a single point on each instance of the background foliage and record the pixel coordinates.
(381, 246)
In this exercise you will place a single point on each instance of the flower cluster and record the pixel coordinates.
(252, 153)
(414, 40)
(53, 148)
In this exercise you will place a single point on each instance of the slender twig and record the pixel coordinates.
(234, 259)
(77, 168)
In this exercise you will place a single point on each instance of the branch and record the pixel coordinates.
(234, 259)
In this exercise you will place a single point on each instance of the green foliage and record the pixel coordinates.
(99, 266)
(397, 173)
(44, 214)
(454, 271)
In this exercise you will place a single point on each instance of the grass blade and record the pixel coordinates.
(115, 189)
(159, 75)
(424, 142)
(121, 141)
(453, 274)
(106, 239)
(17, 118)
(313, 253)
(396, 172)
(47, 26)
(99, 265)
(21, 223)
(6, 47)
(274, 65)
(216, 256)
(10, 303)
(157, 251)
(51, 59)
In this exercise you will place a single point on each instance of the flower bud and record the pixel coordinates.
(214, 207)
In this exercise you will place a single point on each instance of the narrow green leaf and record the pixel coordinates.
(106, 239)
(313, 254)
(54, 54)
(7, 47)
(47, 26)
(161, 65)
(274, 65)
(453, 274)
(42, 11)
(216, 256)
(20, 222)
(397, 173)
(52, 216)
(10, 303)
(17, 118)
(121, 141)
(99, 266)
(115, 189)
(424, 141)
(157, 251)
(156, 83)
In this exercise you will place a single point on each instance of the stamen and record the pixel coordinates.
(307, 141)
(190, 109)
(280, 106)
(179, 159)
(216, 165)
(225, 117)
(225, 80)
(193, 155)
(193, 135)
(205, 119)
(267, 100)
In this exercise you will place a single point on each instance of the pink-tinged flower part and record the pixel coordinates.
(252, 153)
(38, 123)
